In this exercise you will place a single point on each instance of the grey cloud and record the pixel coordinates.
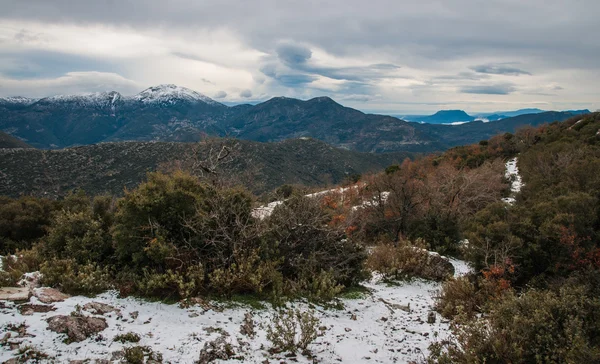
(46, 64)
(462, 76)
(293, 54)
(220, 95)
(246, 94)
(497, 89)
(500, 69)
(291, 80)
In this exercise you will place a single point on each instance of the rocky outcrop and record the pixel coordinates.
(77, 328)
(50, 295)
(15, 294)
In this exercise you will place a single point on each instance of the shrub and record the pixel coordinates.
(14, 266)
(137, 355)
(23, 221)
(292, 330)
(459, 295)
(297, 231)
(406, 260)
(536, 327)
(172, 284)
(248, 274)
(73, 278)
(79, 236)
(130, 337)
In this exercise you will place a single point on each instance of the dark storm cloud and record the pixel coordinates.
(291, 80)
(500, 69)
(498, 89)
(293, 54)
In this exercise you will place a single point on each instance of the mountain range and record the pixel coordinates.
(173, 113)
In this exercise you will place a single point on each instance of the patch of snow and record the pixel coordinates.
(512, 173)
(457, 123)
(171, 94)
(373, 202)
(483, 120)
(461, 267)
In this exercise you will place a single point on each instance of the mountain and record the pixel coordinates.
(446, 117)
(511, 114)
(111, 167)
(172, 113)
(475, 131)
(322, 118)
(8, 141)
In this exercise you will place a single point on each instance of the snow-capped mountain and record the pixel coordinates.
(171, 94)
(17, 100)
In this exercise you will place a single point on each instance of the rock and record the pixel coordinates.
(98, 308)
(353, 317)
(15, 294)
(29, 309)
(77, 328)
(431, 318)
(50, 295)
(134, 315)
(348, 329)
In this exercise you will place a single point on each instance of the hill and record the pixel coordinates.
(111, 167)
(8, 141)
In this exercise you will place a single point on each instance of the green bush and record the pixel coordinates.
(292, 330)
(536, 327)
(298, 232)
(73, 278)
(130, 337)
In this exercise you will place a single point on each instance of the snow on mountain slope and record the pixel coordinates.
(95, 99)
(17, 100)
(170, 94)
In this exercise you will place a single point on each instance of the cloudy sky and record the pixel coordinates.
(395, 56)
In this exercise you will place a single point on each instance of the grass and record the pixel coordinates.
(355, 293)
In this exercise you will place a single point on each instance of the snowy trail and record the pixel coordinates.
(388, 325)
(512, 173)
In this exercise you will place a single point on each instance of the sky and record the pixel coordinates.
(395, 57)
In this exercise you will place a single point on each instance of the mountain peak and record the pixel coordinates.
(171, 94)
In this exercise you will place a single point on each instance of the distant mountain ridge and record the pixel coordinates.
(172, 113)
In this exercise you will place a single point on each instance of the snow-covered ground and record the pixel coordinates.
(512, 173)
(387, 325)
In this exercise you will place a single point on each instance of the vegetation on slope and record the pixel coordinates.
(111, 167)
